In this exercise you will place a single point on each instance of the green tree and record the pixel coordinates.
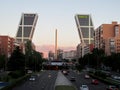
(98, 56)
(16, 61)
(2, 61)
(33, 59)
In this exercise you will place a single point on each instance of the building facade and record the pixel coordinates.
(69, 55)
(87, 49)
(26, 27)
(51, 56)
(6, 45)
(85, 30)
(107, 37)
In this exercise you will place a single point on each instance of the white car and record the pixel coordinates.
(116, 77)
(84, 87)
(87, 76)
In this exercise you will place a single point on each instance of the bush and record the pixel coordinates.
(100, 74)
(16, 74)
(15, 83)
(5, 78)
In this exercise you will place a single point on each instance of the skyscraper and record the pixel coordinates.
(85, 30)
(26, 27)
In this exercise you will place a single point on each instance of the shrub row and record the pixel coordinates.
(105, 80)
(15, 83)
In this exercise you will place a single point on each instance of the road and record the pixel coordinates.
(44, 81)
(80, 79)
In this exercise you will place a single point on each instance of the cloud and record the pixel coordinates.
(46, 48)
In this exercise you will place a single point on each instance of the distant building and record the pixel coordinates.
(107, 37)
(59, 54)
(51, 56)
(6, 45)
(87, 49)
(69, 55)
(86, 32)
(79, 51)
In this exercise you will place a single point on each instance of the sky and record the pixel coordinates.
(56, 14)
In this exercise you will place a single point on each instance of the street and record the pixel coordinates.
(46, 81)
(42, 82)
(80, 79)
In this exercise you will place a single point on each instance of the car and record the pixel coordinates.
(84, 87)
(29, 71)
(65, 72)
(115, 77)
(112, 87)
(72, 79)
(32, 78)
(87, 76)
(95, 81)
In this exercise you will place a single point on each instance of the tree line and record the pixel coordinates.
(19, 61)
(99, 60)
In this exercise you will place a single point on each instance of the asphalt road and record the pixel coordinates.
(44, 81)
(80, 79)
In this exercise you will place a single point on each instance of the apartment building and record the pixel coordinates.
(6, 45)
(107, 37)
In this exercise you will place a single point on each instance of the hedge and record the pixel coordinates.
(15, 83)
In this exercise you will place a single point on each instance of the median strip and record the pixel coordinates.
(62, 83)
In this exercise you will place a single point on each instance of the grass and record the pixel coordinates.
(65, 87)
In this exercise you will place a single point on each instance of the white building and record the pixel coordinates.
(69, 54)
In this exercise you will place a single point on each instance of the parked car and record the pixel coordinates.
(84, 87)
(112, 87)
(95, 81)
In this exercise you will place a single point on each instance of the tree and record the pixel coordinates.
(33, 59)
(17, 60)
(2, 61)
(98, 55)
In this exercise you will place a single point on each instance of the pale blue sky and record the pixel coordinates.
(56, 14)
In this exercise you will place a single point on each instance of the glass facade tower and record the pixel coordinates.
(26, 27)
(85, 28)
